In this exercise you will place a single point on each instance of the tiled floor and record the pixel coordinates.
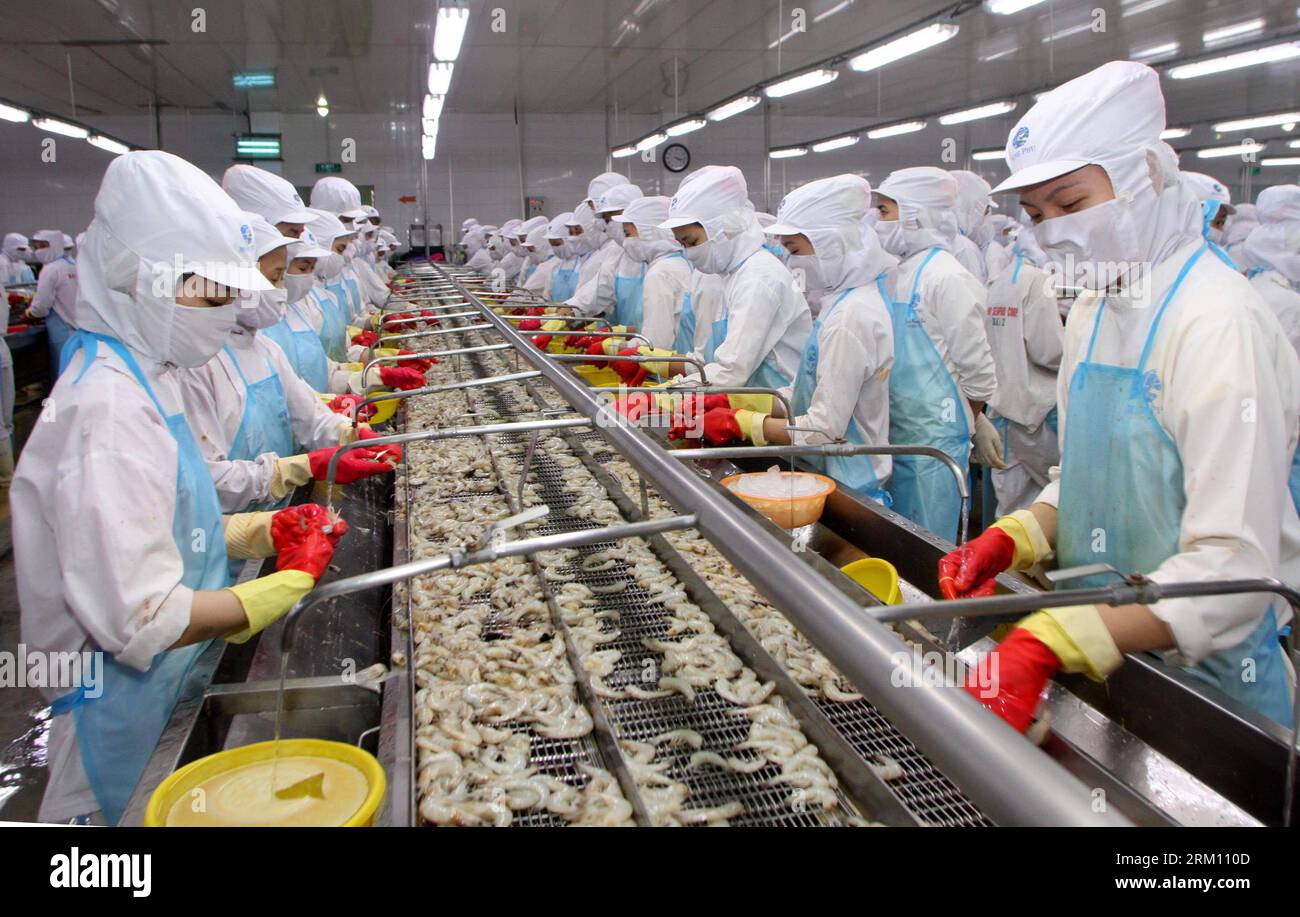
(23, 716)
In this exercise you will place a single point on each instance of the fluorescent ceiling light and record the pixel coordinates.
(258, 146)
(440, 78)
(650, 141)
(734, 107)
(893, 130)
(449, 32)
(801, 83)
(432, 107)
(255, 80)
(55, 126)
(108, 144)
(1294, 144)
(685, 126)
(1266, 55)
(991, 110)
(1007, 7)
(1220, 35)
(1174, 133)
(1134, 7)
(842, 5)
(927, 37)
(1220, 152)
(788, 152)
(1281, 161)
(835, 143)
(988, 155)
(11, 113)
(429, 127)
(428, 147)
(1246, 124)
(624, 151)
(1068, 31)
(1155, 51)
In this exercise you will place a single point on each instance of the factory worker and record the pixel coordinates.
(549, 253)
(484, 259)
(251, 412)
(998, 253)
(943, 370)
(618, 280)
(268, 195)
(841, 390)
(1216, 205)
(973, 233)
(1272, 255)
(664, 315)
(581, 246)
(14, 266)
(119, 543)
(765, 220)
(296, 333)
(757, 335)
(1025, 336)
(597, 187)
(1161, 473)
(1239, 226)
(69, 246)
(55, 301)
(526, 249)
(341, 198)
(510, 263)
(331, 295)
(473, 239)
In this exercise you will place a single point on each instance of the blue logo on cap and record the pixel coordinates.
(1021, 138)
(296, 198)
(246, 232)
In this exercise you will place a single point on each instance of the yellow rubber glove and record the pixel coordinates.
(760, 403)
(385, 352)
(268, 598)
(612, 346)
(751, 424)
(355, 367)
(554, 325)
(353, 331)
(1031, 544)
(289, 472)
(1078, 637)
(248, 535)
(658, 369)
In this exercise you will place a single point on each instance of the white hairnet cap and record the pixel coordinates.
(602, 183)
(266, 238)
(1278, 203)
(325, 227)
(370, 211)
(1108, 117)
(645, 213)
(764, 219)
(1208, 188)
(465, 226)
(921, 186)
(706, 194)
(617, 198)
(509, 226)
(337, 195)
(537, 236)
(838, 202)
(261, 192)
(307, 247)
(973, 200)
(583, 216)
(67, 241)
(51, 237)
(527, 226)
(556, 228)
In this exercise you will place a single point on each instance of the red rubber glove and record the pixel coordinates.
(719, 429)
(291, 524)
(530, 324)
(634, 406)
(537, 310)
(424, 364)
(346, 404)
(401, 377)
(1018, 671)
(517, 312)
(15, 329)
(971, 570)
(700, 404)
(16, 299)
(596, 348)
(310, 555)
(541, 341)
(365, 338)
(632, 373)
(384, 453)
(354, 465)
(575, 341)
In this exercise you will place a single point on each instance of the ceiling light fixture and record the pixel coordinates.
(912, 43)
(449, 32)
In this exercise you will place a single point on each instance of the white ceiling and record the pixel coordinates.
(643, 57)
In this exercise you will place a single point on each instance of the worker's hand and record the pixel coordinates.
(401, 377)
(348, 404)
(354, 465)
(365, 338)
(537, 310)
(576, 341)
(720, 427)
(702, 404)
(601, 347)
(385, 453)
(530, 324)
(424, 364)
(971, 570)
(268, 598)
(1017, 672)
(632, 373)
(290, 525)
(634, 406)
(988, 443)
(541, 341)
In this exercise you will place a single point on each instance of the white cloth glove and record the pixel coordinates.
(988, 443)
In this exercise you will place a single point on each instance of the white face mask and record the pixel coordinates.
(350, 252)
(707, 257)
(579, 245)
(614, 230)
(1093, 248)
(198, 334)
(637, 250)
(807, 272)
(330, 266)
(1217, 236)
(893, 237)
(261, 310)
(297, 286)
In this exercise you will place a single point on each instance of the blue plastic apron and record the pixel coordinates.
(528, 272)
(265, 425)
(629, 301)
(853, 471)
(354, 294)
(334, 328)
(1122, 503)
(925, 409)
(118, 730)
(766, 375)
(564, 282)
(685, 340)
(304, 350)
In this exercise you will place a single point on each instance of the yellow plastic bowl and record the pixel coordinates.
(877, 576)
(384, 410)
(181, 782)
(598, 376)
(787, 512)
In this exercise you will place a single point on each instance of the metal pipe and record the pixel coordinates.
(554, 318)
(674, 358)
(460, 559)
(446, 387)
(968, 743)
(435, 354)
(690, 388)
(839, 449)
(629, 335)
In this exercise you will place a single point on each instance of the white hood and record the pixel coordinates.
(973, 200)
(263, 193)
(1275, 243)
(926, 199)
(829, 211)
(337, 195)
(652, 241)
(590, 239)
(717, 198)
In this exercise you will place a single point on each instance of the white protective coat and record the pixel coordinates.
(667, 276)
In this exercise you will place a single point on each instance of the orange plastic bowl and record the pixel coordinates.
(787, 512)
